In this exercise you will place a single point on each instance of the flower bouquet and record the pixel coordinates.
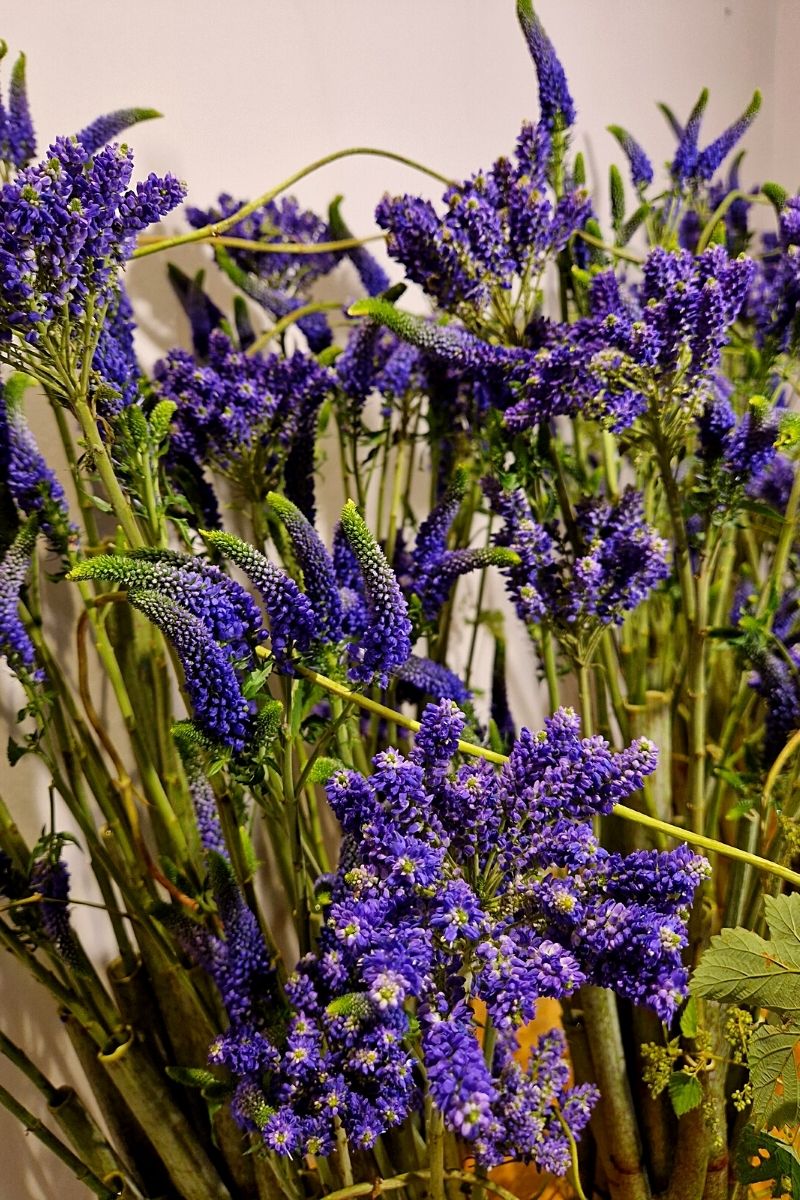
(338, 876)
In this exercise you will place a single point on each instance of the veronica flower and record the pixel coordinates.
(106, 128)
(211, 682)
(17, 136)
(222, 605)
(555, 102)
(319, 577)
(246, 417)
(292, 620)
(386, 642)
(66, 225)
(456, 886)
(15, 643)
(640, 166)
(622, 559)
(32, 485)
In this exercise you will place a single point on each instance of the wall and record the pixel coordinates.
(256, 89)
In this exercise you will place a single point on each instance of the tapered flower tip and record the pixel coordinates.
(555, 101)
(109, 126)
(363, 308)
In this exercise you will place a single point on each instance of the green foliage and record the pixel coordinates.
(761, 1158)
(742, 968)
(685, 1092)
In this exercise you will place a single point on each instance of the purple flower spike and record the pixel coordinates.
(555, 102)
(386, 643)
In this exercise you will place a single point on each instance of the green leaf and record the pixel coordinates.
(98, 502)
(774, 1057)
(740, 967)
(15, 751)
(685, 1092)
(783, 918)
(777, 1163)
(194, 1077)
(689, 1019)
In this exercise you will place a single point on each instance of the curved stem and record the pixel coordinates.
(301, 248)
(210, 231)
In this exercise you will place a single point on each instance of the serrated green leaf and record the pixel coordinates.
(783, 917)
(774, 1057)
(781, 1168)
(742, 968)
(685, 1092)
(689, 1019)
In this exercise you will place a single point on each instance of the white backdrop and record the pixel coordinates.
(255, 89)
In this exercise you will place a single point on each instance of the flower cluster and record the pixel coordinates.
(50, 879)
(453, 887)
(15, 643)
(212, 622)
(251, 418)
(660, 345)
(618, 561)
(32, 486)
(500, 225)
(279, 280)
(68, 223)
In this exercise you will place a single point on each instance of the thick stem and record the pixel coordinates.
(105, 469)
(622, 1154)
(436, 1152)
(33, 1125)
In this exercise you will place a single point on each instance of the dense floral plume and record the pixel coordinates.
(620, 561)
(555, 103)
(17, 136)
(292, 621)
(386, 642)
(15, 643)
(68, 223)
(212, 685)
(319, 575)
(245, 416)
(278, 281)
(490, 877)
(499, 226)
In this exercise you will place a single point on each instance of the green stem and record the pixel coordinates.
(105, 469)
(33, 1125)
(620, 810)
(550, 669)
(621, 1149)
(210, 231)
(286, 322)
(435, 1152)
